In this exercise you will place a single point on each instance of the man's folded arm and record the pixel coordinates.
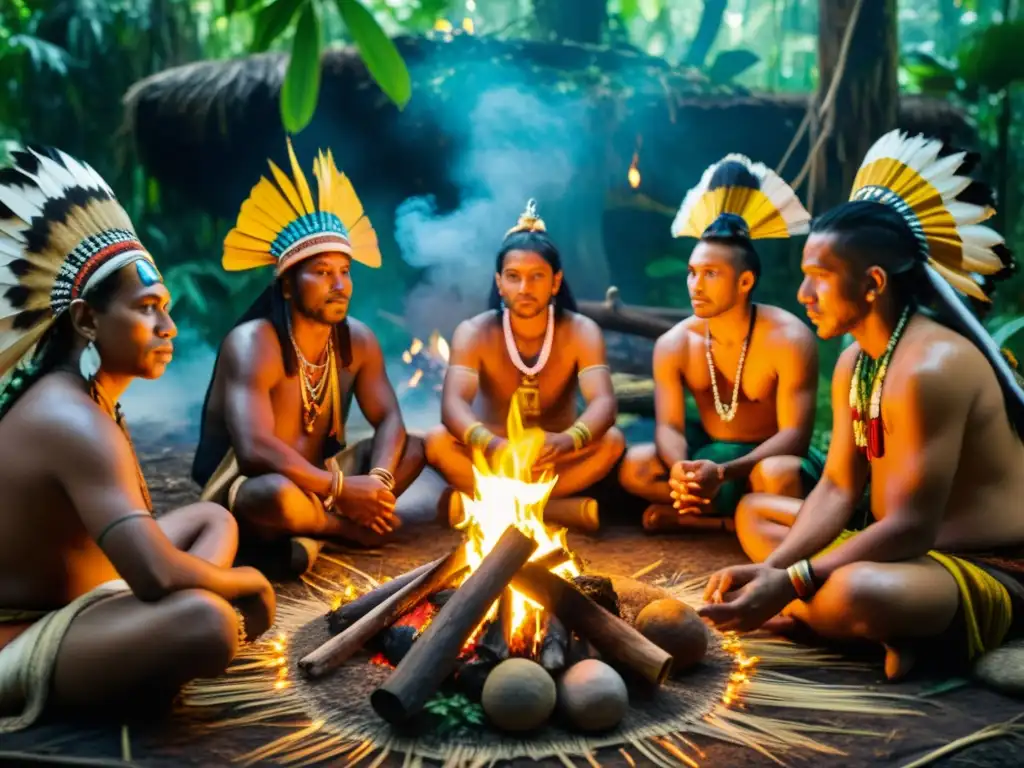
(94, 464)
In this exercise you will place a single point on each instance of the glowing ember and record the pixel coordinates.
(511, 493)
(633, 175)
(429, 362)
(743, 671)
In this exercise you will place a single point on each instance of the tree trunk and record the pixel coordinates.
(867, 97)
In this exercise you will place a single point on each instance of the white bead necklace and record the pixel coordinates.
(513, 350)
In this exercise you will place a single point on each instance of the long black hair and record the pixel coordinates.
(869, 233)
(57, 344)
(541, 244)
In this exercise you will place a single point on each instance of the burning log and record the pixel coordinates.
(578, 513)
(556, 558)
(434, 655)
(339, 648)
(343, 617)
(554, 645)
(614, 638)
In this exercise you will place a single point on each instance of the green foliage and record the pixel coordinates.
(454, 714)
(301, 88)
(667, 266)
(993, 59)
(380, 55)
(302, 80)
(271, 21)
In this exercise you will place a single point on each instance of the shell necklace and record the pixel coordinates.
(724, 413)
(528, 394)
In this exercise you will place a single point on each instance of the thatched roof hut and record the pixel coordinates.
(206, 129)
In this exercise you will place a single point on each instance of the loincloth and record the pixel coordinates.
(27, 663)
(991, 610)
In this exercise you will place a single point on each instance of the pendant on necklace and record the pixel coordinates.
(528, 396)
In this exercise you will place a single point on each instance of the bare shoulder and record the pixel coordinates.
(937, 364)
(63, 423)
(676, 339)
(473, 330)
(364, 340)
(583, 328)
(252, 350)
(784, 329)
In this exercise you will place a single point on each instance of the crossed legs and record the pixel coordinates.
(122, 653)
(889, 603)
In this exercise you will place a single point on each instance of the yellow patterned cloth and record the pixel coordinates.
(986, 603)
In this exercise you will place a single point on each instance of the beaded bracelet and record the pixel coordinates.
(478, 436)
(580, 434)
(384, 476)
(802, 578)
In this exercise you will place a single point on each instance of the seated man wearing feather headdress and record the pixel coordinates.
(533, 346)
(752, 369)
(102, 605)
(272, 446)
(925, 404)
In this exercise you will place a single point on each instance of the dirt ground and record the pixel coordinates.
(949, 712)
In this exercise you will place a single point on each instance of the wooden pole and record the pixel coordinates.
(434, 655)
(616, 640)
(343, 617)
(341, 647)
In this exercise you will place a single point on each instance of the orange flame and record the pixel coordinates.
(633, 175)
(507, 494)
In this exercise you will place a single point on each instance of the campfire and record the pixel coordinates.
(509, 603)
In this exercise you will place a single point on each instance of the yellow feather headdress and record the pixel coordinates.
(740, 189)
(919, 178)
(529, 220)
(280, 225)
(61, 232)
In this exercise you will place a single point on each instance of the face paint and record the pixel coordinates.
(148, 274)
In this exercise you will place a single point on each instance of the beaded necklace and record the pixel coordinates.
(866, 394)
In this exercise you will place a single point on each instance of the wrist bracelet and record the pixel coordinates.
(478, 436)
(337, 483)
(384, 476)
(580, 434)
(802, 578)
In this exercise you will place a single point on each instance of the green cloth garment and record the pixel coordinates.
(700, 446)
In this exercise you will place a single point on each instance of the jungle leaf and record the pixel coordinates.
(382, 59)
(1005, 332)
(302, 80)
(233, 6)
(930, 73)
(729, 65)
(271, 20)
(994, 58)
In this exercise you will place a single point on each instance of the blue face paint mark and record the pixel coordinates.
(147, 272)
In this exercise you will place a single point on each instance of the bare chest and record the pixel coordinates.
(758, 380)
(303, 424)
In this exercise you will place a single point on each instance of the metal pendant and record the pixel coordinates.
(528, 396)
